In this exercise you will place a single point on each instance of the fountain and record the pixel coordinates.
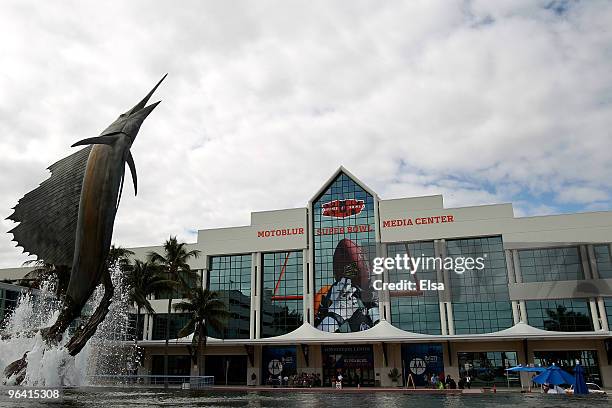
(53, 366)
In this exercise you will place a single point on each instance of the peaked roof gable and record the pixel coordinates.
(350, 175)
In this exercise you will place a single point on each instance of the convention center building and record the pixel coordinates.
(303, 296)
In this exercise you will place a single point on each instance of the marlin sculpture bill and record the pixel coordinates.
(69, 219)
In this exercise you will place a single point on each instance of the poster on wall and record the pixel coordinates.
(278, 361)
(344, 245)
(421, 361)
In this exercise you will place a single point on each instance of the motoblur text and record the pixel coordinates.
(411, 264)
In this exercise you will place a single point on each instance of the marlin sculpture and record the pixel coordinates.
(69, 218)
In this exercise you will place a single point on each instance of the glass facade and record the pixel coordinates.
(480, 298)
(566, 359)
(608, 305)
(230, 277)
(415, 311)
(560, 315)
(8, 301)
(344, 245)
(551, 264)
(282, 293)
(177, 322)
(489, 368)
(604, 263)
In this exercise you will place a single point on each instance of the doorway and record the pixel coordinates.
(227, 370)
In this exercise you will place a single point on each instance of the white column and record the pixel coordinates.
(603, 317)
(592, 261)
(447, 288)
(310, 270)
(384, 297)
(516, 263)
(584, 257)
(523, 311)
(440, 278)
(594, 314)
(255, 289)
(512, 279)
(307, 302)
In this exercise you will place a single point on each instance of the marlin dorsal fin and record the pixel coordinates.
(106, 139)
(130, 162)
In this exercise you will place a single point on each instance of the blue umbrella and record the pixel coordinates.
(527, 369)
(580, 386)
(554, 375)
(535, 369)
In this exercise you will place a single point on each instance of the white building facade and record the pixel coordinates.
(299, 286)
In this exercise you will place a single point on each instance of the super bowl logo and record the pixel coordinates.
(343, 208)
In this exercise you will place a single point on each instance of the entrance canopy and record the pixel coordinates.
(386, 332)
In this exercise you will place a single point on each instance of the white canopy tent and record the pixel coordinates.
(386, 332)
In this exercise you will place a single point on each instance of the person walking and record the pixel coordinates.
(339, 382)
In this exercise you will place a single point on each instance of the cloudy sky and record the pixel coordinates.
(484, 102)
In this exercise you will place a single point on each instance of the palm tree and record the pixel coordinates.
(174, 264)
(205, 309)
(118, 257)
(143, 279)
(46, 271)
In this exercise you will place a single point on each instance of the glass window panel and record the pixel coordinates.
(480, 298)
(230, 277)
(560, 315)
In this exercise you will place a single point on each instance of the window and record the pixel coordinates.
(604, 263)
(489, 368)
(230, 277)
(417, 312)
(550, 264)
(566, 359)
(8, 301)
(608, 305)
(560, 315)
(281, 295)
(177, 322)
(344, 244)
(481, 303)
(136, 326)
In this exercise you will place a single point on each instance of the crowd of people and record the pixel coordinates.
(306, 380)
(447, 383)
(309, 380)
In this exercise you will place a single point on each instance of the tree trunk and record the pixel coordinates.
(167, 340)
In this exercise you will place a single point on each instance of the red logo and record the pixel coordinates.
(343, 208)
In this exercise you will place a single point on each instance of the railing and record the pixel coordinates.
(194, 381)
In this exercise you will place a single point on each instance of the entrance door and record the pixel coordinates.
(227, 370)
(355, 363)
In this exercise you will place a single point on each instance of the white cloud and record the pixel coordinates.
(582, 195)
(482, 101)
